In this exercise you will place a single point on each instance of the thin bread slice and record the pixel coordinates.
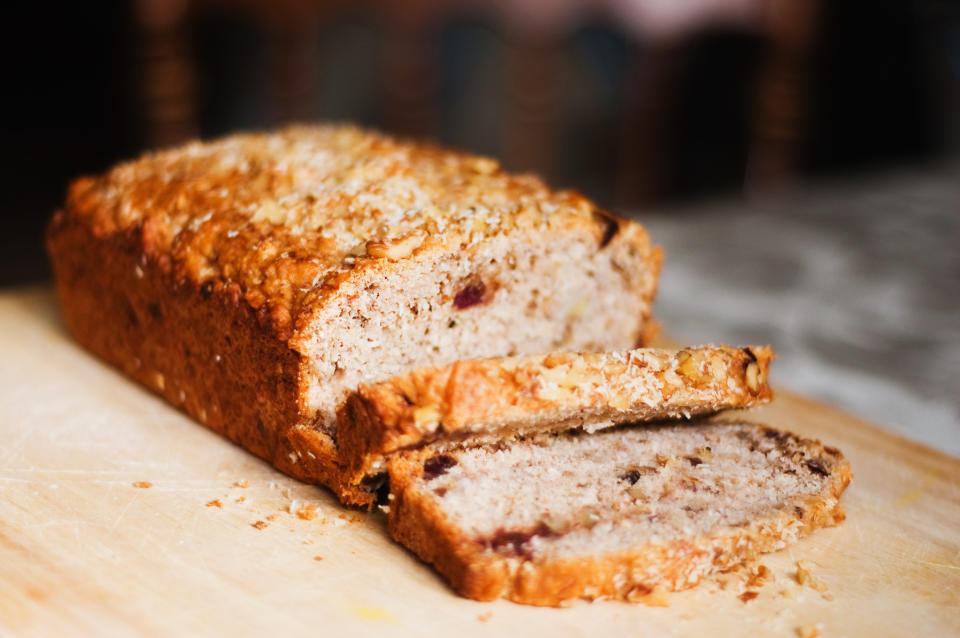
(492, 399)
(614, 514)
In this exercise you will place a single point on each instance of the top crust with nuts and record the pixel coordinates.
(287, 216)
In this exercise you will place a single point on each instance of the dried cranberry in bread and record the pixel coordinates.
(253, 281)
(614, 514)
(504, 397)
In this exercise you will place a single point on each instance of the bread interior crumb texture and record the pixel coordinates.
(534, 298)
(556, 495)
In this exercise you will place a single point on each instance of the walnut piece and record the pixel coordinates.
(426, 418)
(397, 249)
(753, 376)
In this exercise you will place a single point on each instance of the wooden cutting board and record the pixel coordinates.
(211, 548)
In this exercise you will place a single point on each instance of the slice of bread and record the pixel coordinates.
(615, 514)
(494, 399)
(255, 280)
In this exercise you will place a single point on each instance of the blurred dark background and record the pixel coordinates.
(636, 103)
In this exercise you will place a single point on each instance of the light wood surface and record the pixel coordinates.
(85, 552)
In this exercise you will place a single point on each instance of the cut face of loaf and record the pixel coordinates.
(495, 399)
(255, 280)
(613, 514)
(516, 294)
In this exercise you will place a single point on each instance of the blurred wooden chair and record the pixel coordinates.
(788, 30)
(533, 33)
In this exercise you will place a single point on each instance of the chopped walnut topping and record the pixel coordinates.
(426, 418)
(753, 376)
(398, 249)
(691, 365)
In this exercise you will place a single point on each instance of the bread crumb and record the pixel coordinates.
(318, 558)
(242, 483)
(259, 524)
(723, 580)
(272, 517)
(143, 484)
(758, 576)
(748, 595)
(241, 499)
(485, 616)
(307, 512)
(215, 503)
(805, 577)
(808, 631)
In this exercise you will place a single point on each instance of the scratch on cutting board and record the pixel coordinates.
(932, 564)
(121, 515)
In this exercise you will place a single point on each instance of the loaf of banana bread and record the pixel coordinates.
(254, 281)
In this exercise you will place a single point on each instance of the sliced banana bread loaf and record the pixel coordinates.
(255, 280)
(501, 398)
(614, 514)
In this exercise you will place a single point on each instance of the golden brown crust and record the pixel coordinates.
(504, 397)
(417, 520)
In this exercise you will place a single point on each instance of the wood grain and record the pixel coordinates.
(85, 552)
